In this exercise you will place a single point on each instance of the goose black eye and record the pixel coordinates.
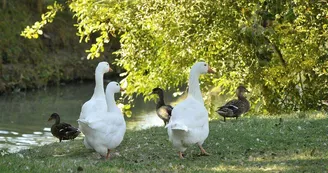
(116, 84)
(205, 65)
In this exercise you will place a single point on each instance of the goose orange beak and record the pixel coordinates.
(110, 70)
(121, 89)
(50, 119)
(210, 70)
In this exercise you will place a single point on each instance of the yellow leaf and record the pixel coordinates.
(35, 35)
(40, 32)
(128, 113)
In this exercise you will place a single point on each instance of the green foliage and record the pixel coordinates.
(34, 63)
(254, 144)
(95, 21)
(278, 49)
(35, 30)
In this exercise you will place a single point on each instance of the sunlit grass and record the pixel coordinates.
(277, 143)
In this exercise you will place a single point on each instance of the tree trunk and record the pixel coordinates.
(40, 6)
(4, 4)
(282, 60)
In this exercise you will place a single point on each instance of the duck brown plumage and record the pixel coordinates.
(63, 131)
(163, 111)
(236, 107)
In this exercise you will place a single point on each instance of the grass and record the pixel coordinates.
(282, 143)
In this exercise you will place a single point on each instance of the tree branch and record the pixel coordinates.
(277, 51)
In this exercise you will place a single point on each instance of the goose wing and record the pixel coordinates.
(107, 123)
(190, 113)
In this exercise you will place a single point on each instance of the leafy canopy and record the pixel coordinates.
(278, 49)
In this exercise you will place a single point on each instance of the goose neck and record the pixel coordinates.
(194, 88)
(99, 88)
(111, 104)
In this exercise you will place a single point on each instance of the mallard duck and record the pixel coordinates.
(163, 111)
(105, 131)
(189, 121)
(235, 108)
(62, 131)
(98, 99)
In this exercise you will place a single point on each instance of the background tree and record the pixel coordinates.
(277, 48)
(4, 4)
(39, 4)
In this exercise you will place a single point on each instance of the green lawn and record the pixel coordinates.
(294, 143)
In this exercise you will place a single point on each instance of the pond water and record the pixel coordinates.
(24, 115)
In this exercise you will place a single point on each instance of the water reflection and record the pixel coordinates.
(23, 116)
(23, 141)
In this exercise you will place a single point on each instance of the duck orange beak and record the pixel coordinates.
(210, 70)
(110, 70)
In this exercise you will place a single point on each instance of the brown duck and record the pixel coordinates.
(62, 131)
(236, 107)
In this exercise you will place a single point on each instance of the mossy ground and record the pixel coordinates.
(282, 143)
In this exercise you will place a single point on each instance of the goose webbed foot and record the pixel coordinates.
(203, 152)
(181, 155)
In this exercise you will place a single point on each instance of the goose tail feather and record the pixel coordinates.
(83, 121)
(177, 126)
(84, 125)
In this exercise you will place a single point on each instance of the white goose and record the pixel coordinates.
(106, 131)
(189, 121)
(98, 99)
